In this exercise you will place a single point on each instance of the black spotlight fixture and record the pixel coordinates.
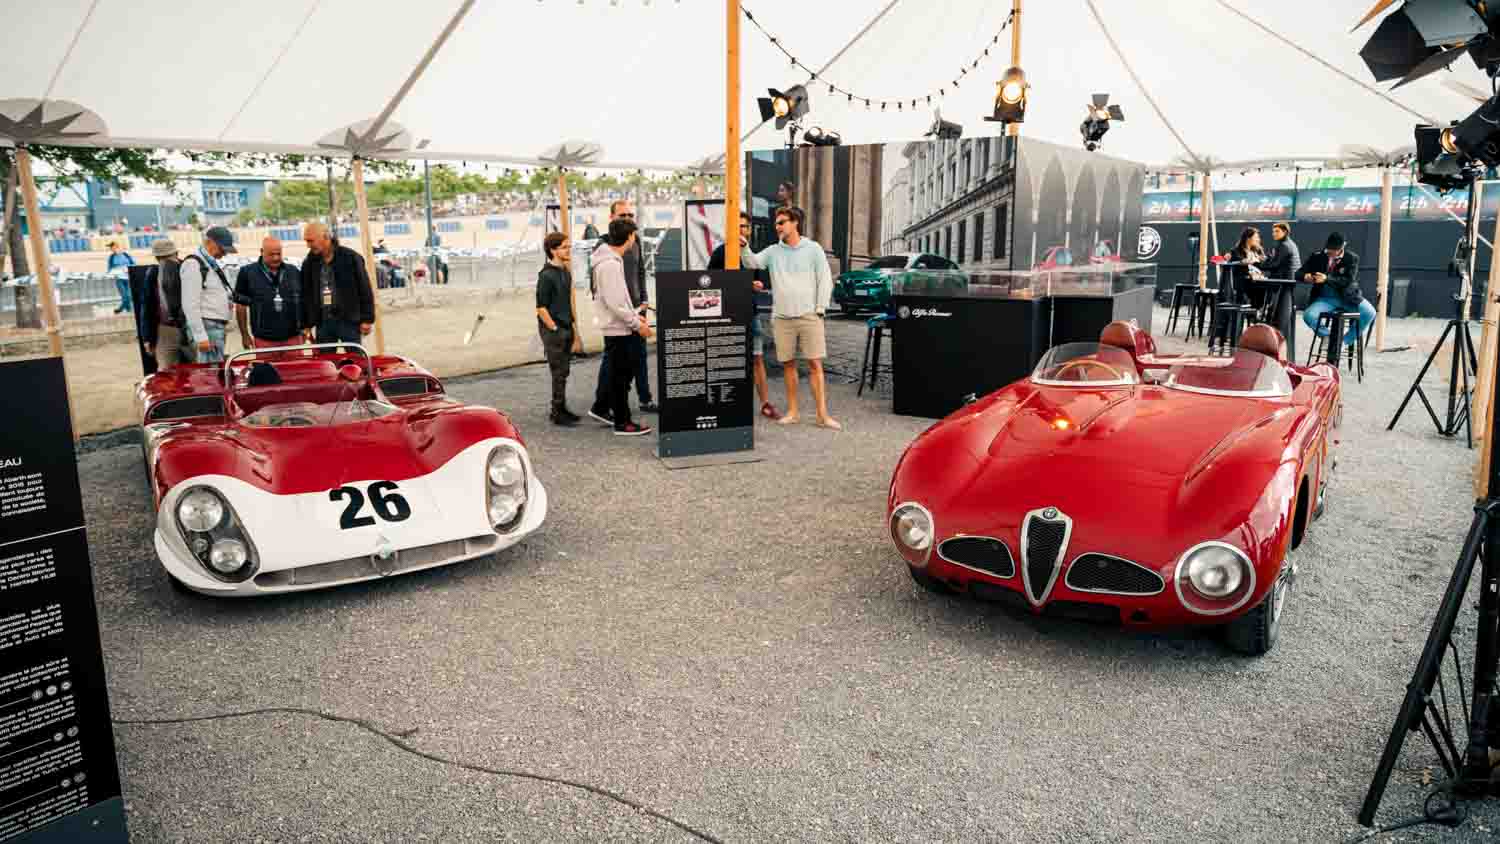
(784, 107)
(1010, 97)
(943, 130)
(1477, 136)
(1424, 36)
(1100, 113)
(816, 137)
(1440, 162)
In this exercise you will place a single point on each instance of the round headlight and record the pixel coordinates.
(228, 556)
(913, 527)
(200, 511)
(503, 508)
(505, 468)
(1215, 571)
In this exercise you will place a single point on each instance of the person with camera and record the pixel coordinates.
(1334, 275)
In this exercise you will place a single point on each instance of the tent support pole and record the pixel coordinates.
(1203, 208)
(1013, 129)
(368, 249)
(41, 266)
(1383, 274)
(732, 137)
(567, 230)
(1485, 379)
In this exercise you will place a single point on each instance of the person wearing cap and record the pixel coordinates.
(338, 305)
(267, 299)
(206, 295)
(118, 265)
(161, 307)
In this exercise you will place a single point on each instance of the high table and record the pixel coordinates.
(1284, 313)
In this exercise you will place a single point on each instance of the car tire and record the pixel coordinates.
(849, 310)
(1255, 632)
(930, 583)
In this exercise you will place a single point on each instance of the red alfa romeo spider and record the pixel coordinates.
(321, 465)
(1119, 485)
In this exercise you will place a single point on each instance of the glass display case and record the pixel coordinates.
(1095, 280)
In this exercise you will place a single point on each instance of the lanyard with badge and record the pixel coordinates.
(275, 279)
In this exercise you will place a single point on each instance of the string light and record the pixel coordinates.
(851, 96)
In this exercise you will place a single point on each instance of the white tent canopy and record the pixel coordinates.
(646, 80)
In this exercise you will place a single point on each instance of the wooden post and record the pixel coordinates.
(567, 231)
(39, 257)
(732, 137)
(1203, 208)
(1484, 379)
(1014, 129)
(363, 209)
(1383, 274)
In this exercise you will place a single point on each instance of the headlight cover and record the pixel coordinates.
(215, 536)
(912, 529)
(505, 487)
(1218, 572)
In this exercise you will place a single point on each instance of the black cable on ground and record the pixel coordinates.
(396, 739)
(1451, 814)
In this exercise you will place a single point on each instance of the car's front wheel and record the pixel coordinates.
(1255, 632)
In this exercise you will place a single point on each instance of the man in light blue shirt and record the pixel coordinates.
(804, 287)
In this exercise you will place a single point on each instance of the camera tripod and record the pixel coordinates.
(1468, 771)
(1465, 362)
(1462, 369)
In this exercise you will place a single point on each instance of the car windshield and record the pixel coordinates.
(1245, 374)
(308, 414)
(302, 394)
(888, 262)
(1085, 365)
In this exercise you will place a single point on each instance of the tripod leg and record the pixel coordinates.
(1417, 384)
(1454, 367)
(1410, 715)
(1476, 772)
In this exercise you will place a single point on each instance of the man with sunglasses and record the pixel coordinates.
(635, 282)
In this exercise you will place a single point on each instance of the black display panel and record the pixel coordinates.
(703, 362)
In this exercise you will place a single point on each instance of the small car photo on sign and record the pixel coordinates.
(705, 303)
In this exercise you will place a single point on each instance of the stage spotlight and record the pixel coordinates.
(943, 130)
(1010, 97)
(1100, 113)
(816, 137)
(1476, 136)
(1440, 163)
(1428, 35)
(784, 107)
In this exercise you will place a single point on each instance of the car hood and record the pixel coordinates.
(855, 276)
(1129, 465)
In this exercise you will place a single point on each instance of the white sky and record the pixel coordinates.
(647, 81)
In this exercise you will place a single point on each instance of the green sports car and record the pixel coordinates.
(869, 287)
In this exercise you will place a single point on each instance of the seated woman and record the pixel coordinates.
(1248, 255)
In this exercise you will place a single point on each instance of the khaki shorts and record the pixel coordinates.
(803, 333)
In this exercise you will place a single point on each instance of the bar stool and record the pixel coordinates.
(1181, 293)
(1340, 323)
(1230, 319)
(875, 329)
(1204, 301)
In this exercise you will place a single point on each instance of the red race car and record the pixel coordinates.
(1118, 485)
(320, 465)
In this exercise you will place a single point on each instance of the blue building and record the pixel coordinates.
(94, 205)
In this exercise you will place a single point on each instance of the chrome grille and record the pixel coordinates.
(355, 568)
(1044, 541)
(984, 553)
(1112, 575)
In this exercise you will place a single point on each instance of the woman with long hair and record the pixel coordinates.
(1247, 256)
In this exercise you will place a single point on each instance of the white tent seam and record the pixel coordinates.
(1371, 88)
(311, 9)
(1108, 36)
(87, 16)
(421, 67)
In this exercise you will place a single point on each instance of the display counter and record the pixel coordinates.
(959, 336)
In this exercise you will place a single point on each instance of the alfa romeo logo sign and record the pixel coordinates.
(1149, 243)
(704, 281)
(903, 312)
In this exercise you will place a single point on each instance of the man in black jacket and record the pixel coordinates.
(1285, 257)
(160, 315)
(338, 305)
(1334, 275)
(267, 300)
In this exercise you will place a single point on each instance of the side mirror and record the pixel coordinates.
(350, 372)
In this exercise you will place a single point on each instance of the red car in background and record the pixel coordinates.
(1118, 485)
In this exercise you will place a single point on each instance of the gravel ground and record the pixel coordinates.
(738, 648)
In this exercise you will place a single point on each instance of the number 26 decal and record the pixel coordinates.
(387, 503)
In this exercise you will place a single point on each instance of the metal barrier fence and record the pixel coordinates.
(87, 303)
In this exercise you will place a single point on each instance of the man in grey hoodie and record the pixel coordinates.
(621, 324)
